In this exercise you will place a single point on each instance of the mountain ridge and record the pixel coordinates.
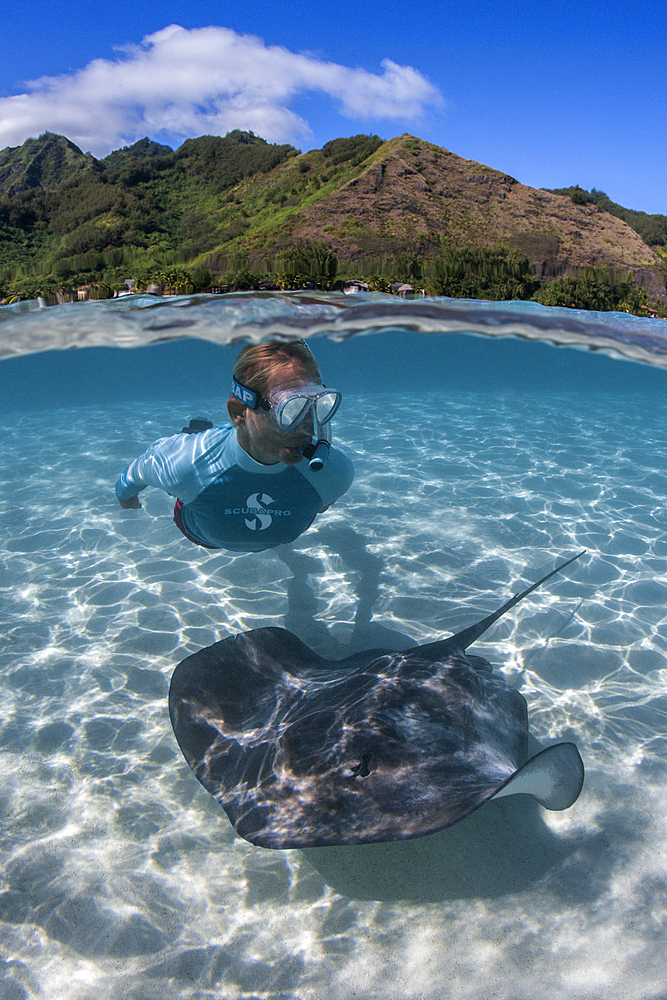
(222, 201)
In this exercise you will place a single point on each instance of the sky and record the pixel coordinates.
(554, 95)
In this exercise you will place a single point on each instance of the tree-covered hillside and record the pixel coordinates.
(67, 216)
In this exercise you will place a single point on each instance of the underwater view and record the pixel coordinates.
(491, 443)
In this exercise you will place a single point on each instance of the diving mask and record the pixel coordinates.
(289, 406)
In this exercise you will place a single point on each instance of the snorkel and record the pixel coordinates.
(317, 451)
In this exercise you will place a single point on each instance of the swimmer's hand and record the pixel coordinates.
(131, 504)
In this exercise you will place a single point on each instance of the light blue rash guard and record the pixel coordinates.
(230, 501)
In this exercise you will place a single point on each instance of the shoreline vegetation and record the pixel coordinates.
(235, 213)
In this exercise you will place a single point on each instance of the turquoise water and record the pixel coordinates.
(480, 462)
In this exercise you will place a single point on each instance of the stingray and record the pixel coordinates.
(381, 746)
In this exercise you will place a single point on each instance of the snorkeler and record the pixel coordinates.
(262, 480)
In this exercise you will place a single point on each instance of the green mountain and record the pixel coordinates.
(234, 208)
(67, 215)
(44, 164)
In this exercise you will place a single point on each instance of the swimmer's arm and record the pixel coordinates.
(127, 490)
(158, 466)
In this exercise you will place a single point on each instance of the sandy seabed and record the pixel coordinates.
(121, 878)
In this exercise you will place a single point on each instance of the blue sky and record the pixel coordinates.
(568, 93)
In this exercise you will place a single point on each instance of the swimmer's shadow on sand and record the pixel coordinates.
(303, 601)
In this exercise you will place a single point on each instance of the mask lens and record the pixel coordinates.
(326, 405)
(293, 410)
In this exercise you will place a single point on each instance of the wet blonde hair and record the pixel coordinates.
(261, 366)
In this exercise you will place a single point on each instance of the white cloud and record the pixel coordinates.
(180, 83)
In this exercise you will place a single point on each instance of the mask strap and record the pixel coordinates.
(246, 396)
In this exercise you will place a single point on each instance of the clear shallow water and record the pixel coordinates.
(479, 464)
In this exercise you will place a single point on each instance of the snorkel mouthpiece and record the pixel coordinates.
(322, 448)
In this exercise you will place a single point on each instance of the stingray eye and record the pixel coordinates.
(361, 769)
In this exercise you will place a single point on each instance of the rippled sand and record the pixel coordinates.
(121, 878)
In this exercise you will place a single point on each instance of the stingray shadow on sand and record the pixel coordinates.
(498, 850)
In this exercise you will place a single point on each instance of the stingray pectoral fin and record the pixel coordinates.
(554, 777)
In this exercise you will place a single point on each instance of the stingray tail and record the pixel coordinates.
(466, 638)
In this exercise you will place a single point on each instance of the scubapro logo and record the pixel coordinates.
(261, 514)
(261, 520)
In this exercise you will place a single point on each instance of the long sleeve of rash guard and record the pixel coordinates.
(181, 465)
